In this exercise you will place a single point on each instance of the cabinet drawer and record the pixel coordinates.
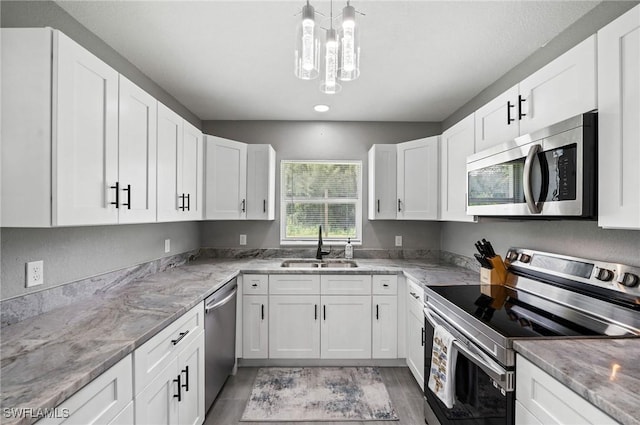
(156, 353)
(550, 401)
(101, 400)
(345, 284)
(255, 284)
(292, 284)
(385, 284)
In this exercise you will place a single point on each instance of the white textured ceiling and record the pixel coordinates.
(233, 60)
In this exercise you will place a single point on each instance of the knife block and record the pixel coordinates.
(495, 276)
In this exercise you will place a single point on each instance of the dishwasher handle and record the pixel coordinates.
(215, 305)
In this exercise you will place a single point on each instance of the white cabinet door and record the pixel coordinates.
(102, 400)
(255, 326)
(261, 182)
(382, 182)
(497, 121)
(294, 326)
(136, 154)
(226, 179)
(345, 332)
(457, 143)
(548, 400)
(384, 341)
(190, 172)
(169, 142)
(85, 153)
(418, 179)
(619, 122)
(560, 90)
(191, 372)
(157, 404)
(415, 347)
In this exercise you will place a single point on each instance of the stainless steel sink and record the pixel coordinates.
(317, 264)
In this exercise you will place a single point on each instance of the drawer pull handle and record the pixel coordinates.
(128, 190)
(324, 312)
(386, 285)
(509, 119)
(117, 189)
(521, 100)
(315, 312)
(377, 312)
(262, 311)
(177, 340)
(179, 395)
(186, 378)
(255, 285)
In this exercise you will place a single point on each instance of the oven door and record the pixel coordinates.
(484, 389)
(540, 178)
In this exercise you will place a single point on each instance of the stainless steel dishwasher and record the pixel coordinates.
(220, 339)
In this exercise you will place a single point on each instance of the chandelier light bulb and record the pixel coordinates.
(348, 38)
(307, 51)
(330, 84)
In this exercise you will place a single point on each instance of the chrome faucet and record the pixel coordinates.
(320, 252)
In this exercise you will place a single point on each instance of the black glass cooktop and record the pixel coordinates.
(510, 313)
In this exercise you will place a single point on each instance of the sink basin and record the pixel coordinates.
(317, 264)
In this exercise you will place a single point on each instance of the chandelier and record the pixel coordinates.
(337, 57)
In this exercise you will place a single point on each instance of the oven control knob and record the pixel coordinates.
(512, 255)
(604, 275)
(525, 258)
(629, 279)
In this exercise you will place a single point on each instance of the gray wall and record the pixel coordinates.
(320, 140)
(577, 238)
(584, 27)
(72, 253)
(48, 14)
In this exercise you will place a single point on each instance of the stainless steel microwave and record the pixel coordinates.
(549, 173)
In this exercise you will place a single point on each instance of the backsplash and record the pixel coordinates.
(20, 308)
(391, 254)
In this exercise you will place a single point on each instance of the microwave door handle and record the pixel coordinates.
(527, 181)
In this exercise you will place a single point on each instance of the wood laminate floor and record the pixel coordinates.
(405, 394)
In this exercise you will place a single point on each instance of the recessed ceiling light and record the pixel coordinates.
(321, 108)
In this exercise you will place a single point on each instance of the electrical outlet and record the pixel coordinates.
(398, 240)
(167, 245)
(35, 273)
(243, 239)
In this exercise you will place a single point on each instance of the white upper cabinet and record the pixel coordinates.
(136, 154)
(418, 179)
(226, 179)
(382, 182)
(497, 121)
(457, 143)
(180, 168)
(261, 182)
(619, 122)
(239, 180)
(59, 132)
(563, 88)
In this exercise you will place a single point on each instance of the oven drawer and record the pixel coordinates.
(549, 401)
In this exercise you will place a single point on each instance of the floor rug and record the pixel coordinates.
(319, 394)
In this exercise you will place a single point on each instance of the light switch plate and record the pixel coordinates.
(35, 273)
(398, 240)
(243, 239)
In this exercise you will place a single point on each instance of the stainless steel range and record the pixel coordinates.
(545, 296)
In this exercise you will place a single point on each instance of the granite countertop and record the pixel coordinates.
(47, 358)
(587, 367)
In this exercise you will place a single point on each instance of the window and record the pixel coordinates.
(326, 193)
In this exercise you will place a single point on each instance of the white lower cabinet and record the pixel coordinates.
(345, 332)
(415, 332)
(384, 328)
(294, 326)
(541, 399)
(255, 326)
(105, 400)
(169, 385)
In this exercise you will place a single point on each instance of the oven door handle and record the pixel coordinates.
(493, 369)
(527, 180)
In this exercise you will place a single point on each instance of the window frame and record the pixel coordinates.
(327, 241)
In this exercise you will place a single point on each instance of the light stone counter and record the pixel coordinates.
(48, 357)
(587, 367)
